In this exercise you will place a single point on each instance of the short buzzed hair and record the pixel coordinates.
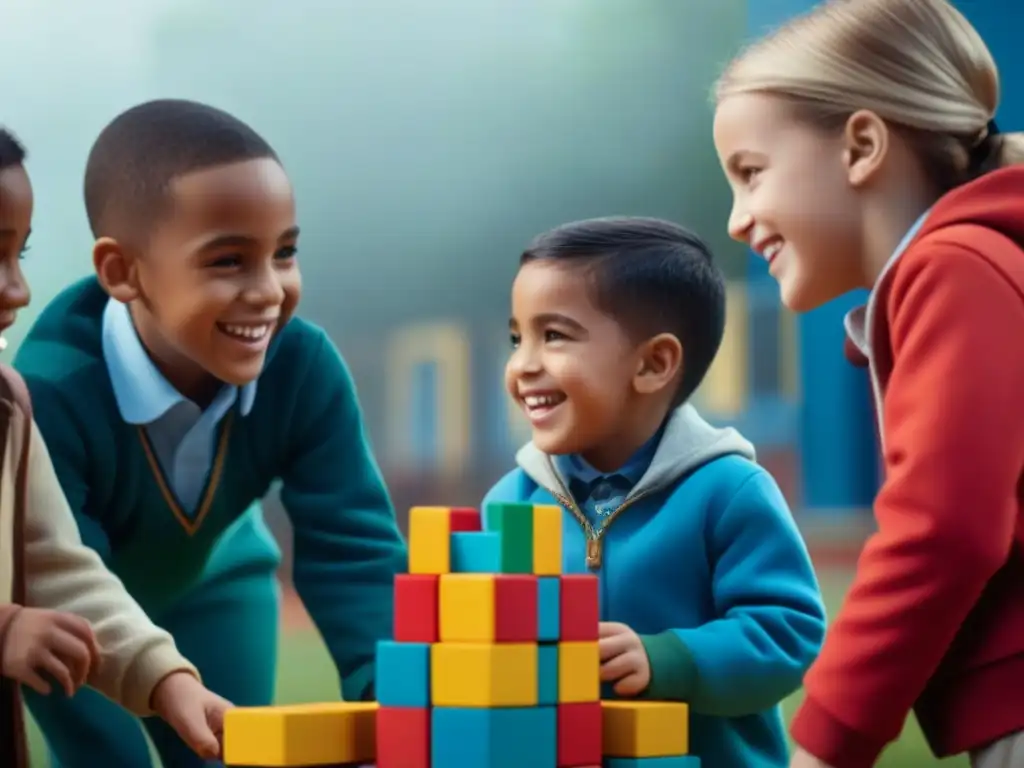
(138, 155)
(12, 151)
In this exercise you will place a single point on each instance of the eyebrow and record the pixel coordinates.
(547, 318)
(241, 241)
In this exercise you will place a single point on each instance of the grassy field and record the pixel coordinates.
(306, 674)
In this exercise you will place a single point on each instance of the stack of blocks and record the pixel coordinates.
(494, 664)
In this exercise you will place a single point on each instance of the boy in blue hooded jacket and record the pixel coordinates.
(708, 595)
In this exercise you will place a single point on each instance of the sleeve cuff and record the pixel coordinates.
(673, 668)
(829, 740)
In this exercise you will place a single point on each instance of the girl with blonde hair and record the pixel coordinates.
(860, 144)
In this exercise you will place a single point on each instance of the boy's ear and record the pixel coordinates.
(116, 270)
(660, 362)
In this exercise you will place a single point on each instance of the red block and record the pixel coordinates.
(464, 520)
(416, 608)
(403, 737)
(515, 608)
(579, 608)
(579, 735)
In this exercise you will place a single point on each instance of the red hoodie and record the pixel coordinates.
(935, 618)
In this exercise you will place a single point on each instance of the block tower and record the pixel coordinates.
(494, 664)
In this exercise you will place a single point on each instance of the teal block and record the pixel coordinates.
(681, 761)
(514, 522)
(548, 597)
(509, 737)
(547, 674)
(403, 674)
(476, 552)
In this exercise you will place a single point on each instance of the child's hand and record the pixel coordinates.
(803, 759)
(623, 659)
(54, 643)
(193, 711)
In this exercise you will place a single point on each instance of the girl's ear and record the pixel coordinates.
(867, 140)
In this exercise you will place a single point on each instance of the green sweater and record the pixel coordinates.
(305, 429)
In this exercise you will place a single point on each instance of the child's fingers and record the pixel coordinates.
(609, 628)
(613, 645)
(36, 682)
(56, 668)
(77, 626)
(74, 653)
(630, 685)
(618, 668)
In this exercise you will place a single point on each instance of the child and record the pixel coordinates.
(708, 595)
(145, 379)
(62, 613)
(861, 151)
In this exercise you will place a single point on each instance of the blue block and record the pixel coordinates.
(547, 608)
(682, 761)
(403, 674)
(476, 552)
(512, 737)
(547, 674)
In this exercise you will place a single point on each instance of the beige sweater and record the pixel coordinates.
(62, 574)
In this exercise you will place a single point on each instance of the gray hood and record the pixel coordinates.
(688, 443)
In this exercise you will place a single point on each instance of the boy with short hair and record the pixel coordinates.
(707, 591)
(172, 389)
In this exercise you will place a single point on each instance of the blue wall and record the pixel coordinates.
(839, 465)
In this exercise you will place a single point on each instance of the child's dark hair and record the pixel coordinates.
(12, 151)
(653, 277)
(138, 155)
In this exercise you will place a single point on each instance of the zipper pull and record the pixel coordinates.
(593, 554)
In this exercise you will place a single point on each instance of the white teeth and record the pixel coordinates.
(541, 401)
(3, 343)
(771, 250)
(250, 332)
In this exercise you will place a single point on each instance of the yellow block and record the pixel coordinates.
(301, 734)
(466, 604)
(547, 540)
(579, 672)
(483, 674)
(645, 728)
(430, 536)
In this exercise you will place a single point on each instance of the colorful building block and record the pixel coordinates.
(579, 735)
(579, 607)
(645, 728)
(515, 524)
(430, 531)
(548, 591)
(476, 552)
(493, 738)
(483, 674)
(300, 735)
(579, 672)
(403, 674)
(547, 674)
(547, 540)
(674, 761)
(416, 608)
(403, 737)
(499, 608)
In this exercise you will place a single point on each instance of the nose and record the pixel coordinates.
(14, 290)
(524, 361)
(740, 223)
(264, 287)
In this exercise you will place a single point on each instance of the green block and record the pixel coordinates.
(514, 525)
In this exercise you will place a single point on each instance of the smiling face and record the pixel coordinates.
(219, 276)
(792, 200)
(16, 203)
(572, 368)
